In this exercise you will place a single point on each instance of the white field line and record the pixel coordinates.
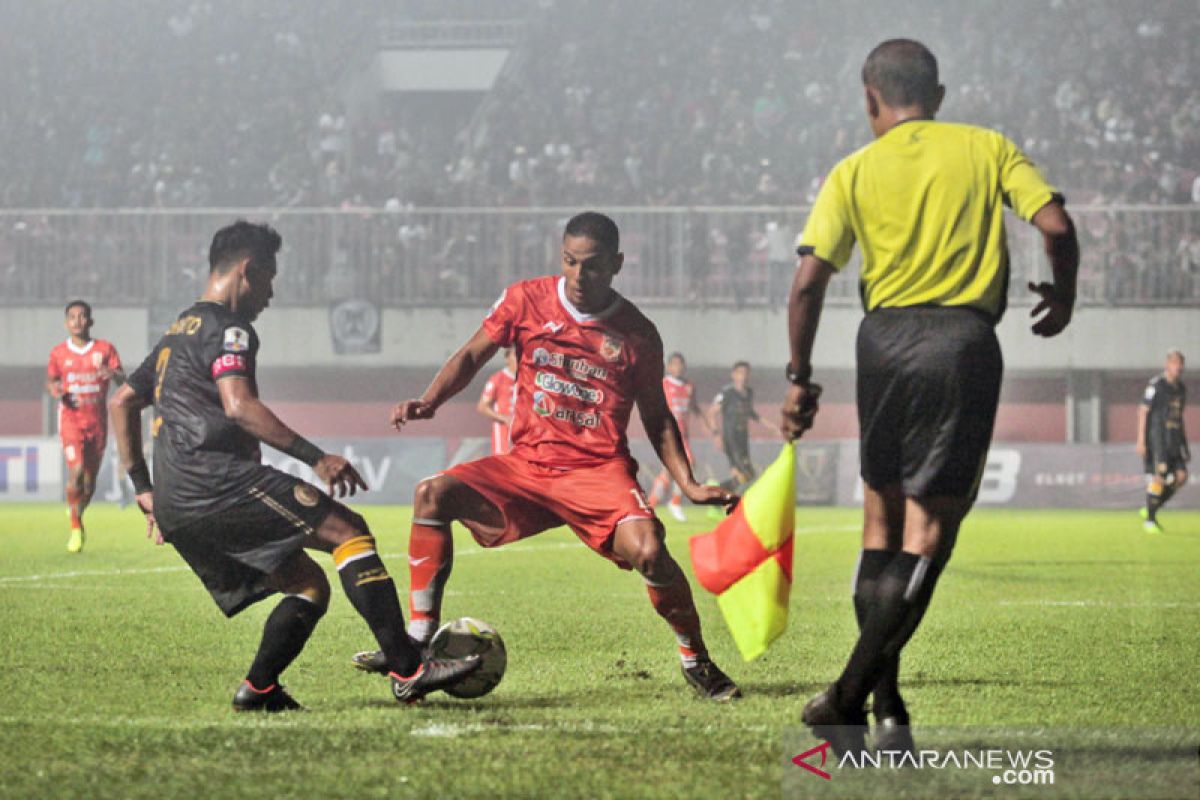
(528, 548)
(1095, 604)
(444, 730)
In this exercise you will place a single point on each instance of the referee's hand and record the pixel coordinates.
(1057, 310)
(799, 409)
(339, 475)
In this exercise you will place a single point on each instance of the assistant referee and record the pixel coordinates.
(924, 201)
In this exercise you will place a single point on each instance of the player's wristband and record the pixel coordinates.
(304, 451)
(139, 474)
(799, 377)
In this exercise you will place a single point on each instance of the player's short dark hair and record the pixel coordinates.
(597, 227)
(1174, 352)
(87, 308)
(737, 364)
(904, 72)
(678, 355)
(258, 241)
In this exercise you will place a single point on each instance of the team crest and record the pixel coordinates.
(97, 360)
(611, 348)
(236, 340)
(305, 495)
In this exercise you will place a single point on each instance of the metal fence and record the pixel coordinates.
(465, 256)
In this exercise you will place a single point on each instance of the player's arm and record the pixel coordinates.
(805, 301)
(694, 409)
(1142, 414)
(454, 376)
(714, 417)
(663, 432)
(1062, 249)
(242, 406)
(487, 406)
(125, 412)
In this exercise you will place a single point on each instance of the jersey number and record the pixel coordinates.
(160, 370)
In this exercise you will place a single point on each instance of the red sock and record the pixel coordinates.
(430, 556)
(73, 498)
(673, 603)
(660, 486)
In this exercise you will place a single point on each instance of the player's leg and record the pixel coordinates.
(662, 483)
(371, 591)
(640, 542)
(288, 628)
(73, 452)
(437, 502)
(883, 537)
(1158, 491)
(93, 456)
(367, 584)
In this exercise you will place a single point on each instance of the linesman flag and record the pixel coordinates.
(747, 560)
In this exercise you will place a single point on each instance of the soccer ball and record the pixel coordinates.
(468, 636)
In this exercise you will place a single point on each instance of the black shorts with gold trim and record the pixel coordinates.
(234, 549)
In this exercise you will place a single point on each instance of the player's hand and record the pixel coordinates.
(68, 400)
(410, 410)
(1057, 307)
(707, 495)
(145, 502)
(799, 408)
(339, 475)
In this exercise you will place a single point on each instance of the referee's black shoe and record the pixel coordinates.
(892, 734)
(846, 732)
(273, 698)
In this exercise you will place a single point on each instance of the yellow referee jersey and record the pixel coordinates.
(924, 202)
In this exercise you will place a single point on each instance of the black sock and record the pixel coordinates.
(901, 597)
(373, 594)
(284, 635)
(1153, 503)
(886, 694)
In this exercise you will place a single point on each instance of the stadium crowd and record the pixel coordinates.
(607, 102)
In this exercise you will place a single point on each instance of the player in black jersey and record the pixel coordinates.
(731, 413)
(1162, 440)
(242, 526)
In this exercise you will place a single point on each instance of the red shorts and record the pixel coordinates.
(84, 448)
(592, 501)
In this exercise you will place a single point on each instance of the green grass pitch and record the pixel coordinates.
(118, 669)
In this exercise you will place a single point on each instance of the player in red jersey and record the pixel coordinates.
(586, 356)
(681, 399)
(78, 376)
(496, 402)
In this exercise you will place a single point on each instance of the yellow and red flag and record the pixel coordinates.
(746, 561)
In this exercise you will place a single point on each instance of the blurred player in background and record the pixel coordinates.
(496, 402)
(78, 376)
(681, 399)
(729, 416)
(587, 357)
(1162, 440)
(240, 525)
(925, 202)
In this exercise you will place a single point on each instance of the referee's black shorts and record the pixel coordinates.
(234, 549)
(928, 388)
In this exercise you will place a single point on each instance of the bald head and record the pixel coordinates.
(904, 73)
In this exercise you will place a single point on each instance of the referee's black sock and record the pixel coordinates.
(284, 636)
(903, 592)
(871, 564)
(373, 594)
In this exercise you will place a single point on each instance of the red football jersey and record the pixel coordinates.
(679, 399)
(579, 374)
(499, 390)
(85, 373)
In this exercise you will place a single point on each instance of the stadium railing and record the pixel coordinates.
(741, 257)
